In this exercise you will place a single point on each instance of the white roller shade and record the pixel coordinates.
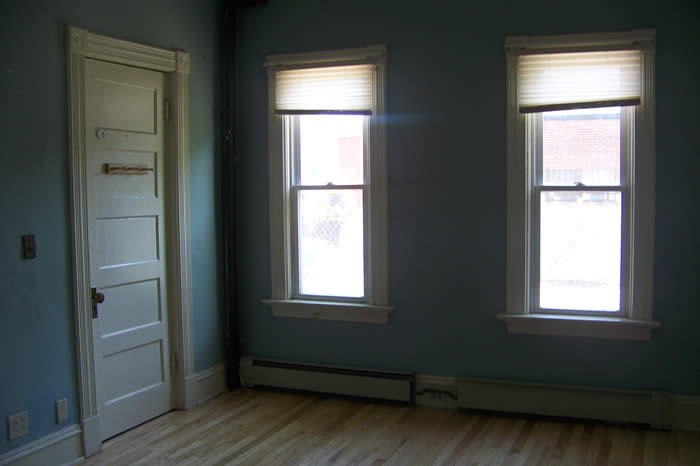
(336, 89)
(557, 81)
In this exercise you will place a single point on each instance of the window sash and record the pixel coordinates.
(293, 136)
(534, 134)
(541, 188)
(294, 141)
(327, 187)
(294, 207)
(535, 307)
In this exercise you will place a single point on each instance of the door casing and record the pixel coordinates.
(80, 45)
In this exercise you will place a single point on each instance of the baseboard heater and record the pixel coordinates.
(322, 378)
(628, 406)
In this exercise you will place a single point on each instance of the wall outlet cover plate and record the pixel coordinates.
(61, 411)
(18, 425)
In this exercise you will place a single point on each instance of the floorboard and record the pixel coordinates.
(246, 427)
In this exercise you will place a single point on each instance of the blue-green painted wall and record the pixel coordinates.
(447, 211)
(37, 365)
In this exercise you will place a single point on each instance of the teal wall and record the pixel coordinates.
(446, 140)
(37, 366)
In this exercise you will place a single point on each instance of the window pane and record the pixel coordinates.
(581, 146)
(331, 253)
(331, 149)
(580, 246)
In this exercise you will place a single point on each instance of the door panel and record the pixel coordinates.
(130, 305)
(126, 241)
(124, 106)
(124, 126)
(132, 369)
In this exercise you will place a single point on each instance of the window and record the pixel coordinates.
(328, 223)
(580, 185)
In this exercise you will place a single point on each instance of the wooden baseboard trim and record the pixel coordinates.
(61, 447)
(205, 385)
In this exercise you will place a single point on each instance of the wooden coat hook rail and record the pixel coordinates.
(126, 169)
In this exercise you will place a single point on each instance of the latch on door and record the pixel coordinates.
(97, 298)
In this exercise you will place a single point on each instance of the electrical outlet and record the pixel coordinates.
(61, 411)
(19, 425)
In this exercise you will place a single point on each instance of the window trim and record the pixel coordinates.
(375, 307)
(636, 323)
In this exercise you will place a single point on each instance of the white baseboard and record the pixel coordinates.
(62, 447)
(92, 436)
(686, 412)
(205, 385)
(657, 409)
(436, 391)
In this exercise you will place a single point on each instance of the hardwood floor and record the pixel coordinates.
(268, 428)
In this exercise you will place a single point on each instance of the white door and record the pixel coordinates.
(125, 178)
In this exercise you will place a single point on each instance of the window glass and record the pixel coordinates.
(580, 247)
(331, 149)
(581, 146)
(330, 241)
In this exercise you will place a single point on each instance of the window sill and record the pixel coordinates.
(579, 326)
(325, 310)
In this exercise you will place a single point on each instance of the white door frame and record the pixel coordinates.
(81, 45)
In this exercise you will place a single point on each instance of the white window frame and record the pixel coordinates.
(285, 301)
(634, 321)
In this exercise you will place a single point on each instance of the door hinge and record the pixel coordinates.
(173, 364)
(166, 109)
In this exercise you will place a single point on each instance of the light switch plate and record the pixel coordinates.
(29, 246)
(18, 425)
(61, 411)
